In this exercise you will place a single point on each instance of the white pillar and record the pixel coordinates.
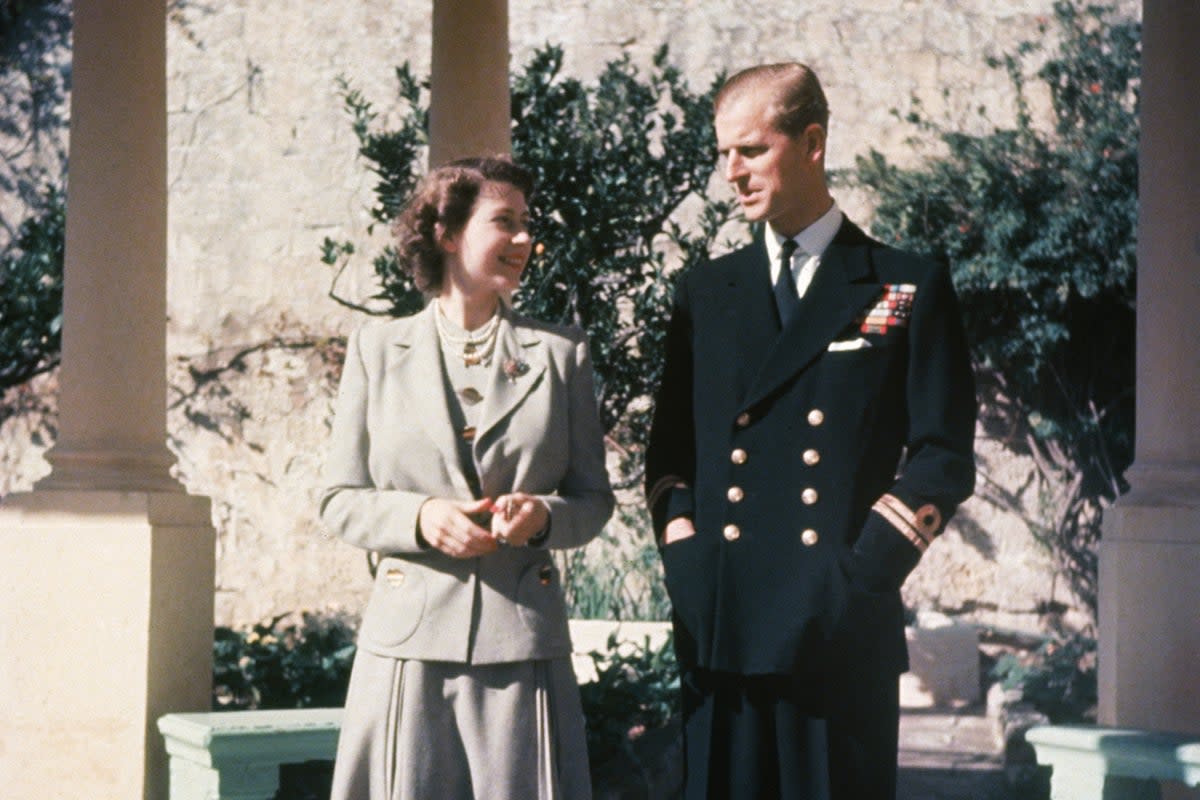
(1150, 552)
(112, 407)
(469, 99)
(106, 568)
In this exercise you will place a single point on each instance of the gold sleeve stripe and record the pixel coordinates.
(900, 524)
(926, 520)
(661, 487)
(925, 523)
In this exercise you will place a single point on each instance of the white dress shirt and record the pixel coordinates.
(811, 243)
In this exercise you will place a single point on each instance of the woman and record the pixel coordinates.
(465, 445)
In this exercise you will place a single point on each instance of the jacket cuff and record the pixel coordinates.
(669, 498)
(893, 539)
(539, 538)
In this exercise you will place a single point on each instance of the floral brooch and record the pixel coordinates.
(514, 368)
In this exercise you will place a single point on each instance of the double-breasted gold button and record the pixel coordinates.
(394, 577)
(809, 537)
(738, 456)
(735, 494)
(816, 417)
(743, 419)
(731, 533)
(812, 457)
(809, 496)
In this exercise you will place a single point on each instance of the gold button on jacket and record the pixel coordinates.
(735, 494)
(738, 456)
(812, 457)
(809, 537)
(816, 417)
(732, 533)
(809, 496)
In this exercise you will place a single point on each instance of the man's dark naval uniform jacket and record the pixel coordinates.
(816, 462)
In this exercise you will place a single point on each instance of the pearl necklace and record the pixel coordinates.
(474, 348)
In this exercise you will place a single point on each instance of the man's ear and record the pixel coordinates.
(814, 140)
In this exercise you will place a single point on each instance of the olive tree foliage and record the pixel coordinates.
(31, 295)
(622, 165)
(1039, 227)
(34, 81)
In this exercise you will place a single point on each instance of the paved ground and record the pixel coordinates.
(943, 756)
(956, 757)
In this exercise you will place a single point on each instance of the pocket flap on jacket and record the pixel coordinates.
(396, 606)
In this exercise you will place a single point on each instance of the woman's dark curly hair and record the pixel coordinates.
(446, 195)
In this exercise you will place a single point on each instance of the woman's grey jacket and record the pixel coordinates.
(394, 446)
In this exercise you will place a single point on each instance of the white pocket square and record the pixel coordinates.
(848, 344)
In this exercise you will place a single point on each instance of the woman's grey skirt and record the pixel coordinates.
(416, 730)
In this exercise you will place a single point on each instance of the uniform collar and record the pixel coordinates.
(812, 240)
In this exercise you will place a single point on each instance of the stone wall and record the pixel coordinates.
(263, 167)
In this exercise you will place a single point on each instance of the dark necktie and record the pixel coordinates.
(786, 300)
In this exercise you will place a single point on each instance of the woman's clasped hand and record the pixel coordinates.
(457, 528)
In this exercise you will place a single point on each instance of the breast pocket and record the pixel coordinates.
(396, 606)
(850, 345)
(857, 374)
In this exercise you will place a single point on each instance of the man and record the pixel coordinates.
(812, 435)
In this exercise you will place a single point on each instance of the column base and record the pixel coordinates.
(106, 469)
(1149, 596)
(108, 599)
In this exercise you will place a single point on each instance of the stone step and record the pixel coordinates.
(958, 756)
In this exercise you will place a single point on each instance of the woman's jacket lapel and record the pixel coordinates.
(520, 360)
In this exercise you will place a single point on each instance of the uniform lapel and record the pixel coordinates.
(417, 367)
(759, 318)
(521, 360)
(838, 293)
(731, 349)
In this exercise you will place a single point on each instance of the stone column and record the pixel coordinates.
(112, 410)
(469, 100)
(1150, 553)
(106, 568)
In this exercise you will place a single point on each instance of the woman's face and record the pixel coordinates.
(490, 252)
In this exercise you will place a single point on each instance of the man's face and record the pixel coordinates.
(777, 178)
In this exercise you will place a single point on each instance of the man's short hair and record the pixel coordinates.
(797, 98)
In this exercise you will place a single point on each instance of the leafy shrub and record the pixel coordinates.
(11, 12)
(628, 587)
(1059, 679)
(616, 577)
(288, 662)
(31, 287)
(636, 690)
(34, 80)
(1039, 228)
